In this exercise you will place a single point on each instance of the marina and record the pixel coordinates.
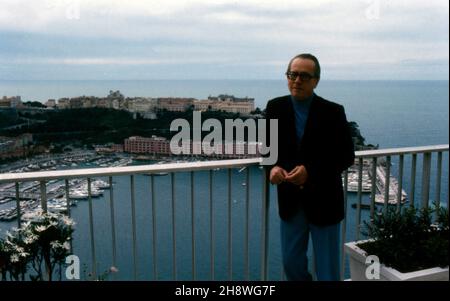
(381, 182)
(30, 192)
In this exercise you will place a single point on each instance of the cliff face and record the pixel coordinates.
(358, 139)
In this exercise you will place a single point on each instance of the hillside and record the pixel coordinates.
(99, 125)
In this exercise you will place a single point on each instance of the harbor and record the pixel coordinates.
(30, 192)
(380, 183)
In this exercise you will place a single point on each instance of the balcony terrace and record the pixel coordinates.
(217, 220)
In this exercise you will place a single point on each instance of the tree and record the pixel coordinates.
(257, 111)
(34, 104)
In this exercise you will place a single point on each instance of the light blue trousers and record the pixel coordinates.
(294, 247)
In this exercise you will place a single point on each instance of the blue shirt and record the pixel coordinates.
(301, 111)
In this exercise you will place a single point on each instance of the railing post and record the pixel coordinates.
(44, 209)
(68, 204)
(344, 225)
(374, 188)
(174, 238)
(19, 214)
(133, 225)
(358, 206)
(155, 270)
(230, 232)
(67, 192)
(387, 183)
(265, 224)
(400, 183)
(193, 225)
(413, 180)
(43, 196)
(426, 179)
(438, 179)
(247, 217)
(113, 223)
(91, 227)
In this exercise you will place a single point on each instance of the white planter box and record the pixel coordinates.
(358, 267)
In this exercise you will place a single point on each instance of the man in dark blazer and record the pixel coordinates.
(314, 147)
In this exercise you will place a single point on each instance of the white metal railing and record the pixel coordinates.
(172, 168)
(368, 161)
(374, 157)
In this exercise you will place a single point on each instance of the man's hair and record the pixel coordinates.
(309, 57)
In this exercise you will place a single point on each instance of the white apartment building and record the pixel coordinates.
(142, 104)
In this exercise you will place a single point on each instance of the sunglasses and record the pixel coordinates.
(304, 76)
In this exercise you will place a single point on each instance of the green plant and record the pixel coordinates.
(42, 244)
(13, 258)
(409, 239)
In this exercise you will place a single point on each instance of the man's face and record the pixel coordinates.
(302, 89)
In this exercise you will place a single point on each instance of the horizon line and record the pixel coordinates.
(224, 79)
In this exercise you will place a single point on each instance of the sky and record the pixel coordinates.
(222, 39)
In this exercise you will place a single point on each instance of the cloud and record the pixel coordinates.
(140, 19)
(127, 61)
(245, 33)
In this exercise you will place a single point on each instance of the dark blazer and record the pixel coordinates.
(326, 150)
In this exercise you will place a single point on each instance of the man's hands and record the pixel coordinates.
(277, 175)
(297, 176)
